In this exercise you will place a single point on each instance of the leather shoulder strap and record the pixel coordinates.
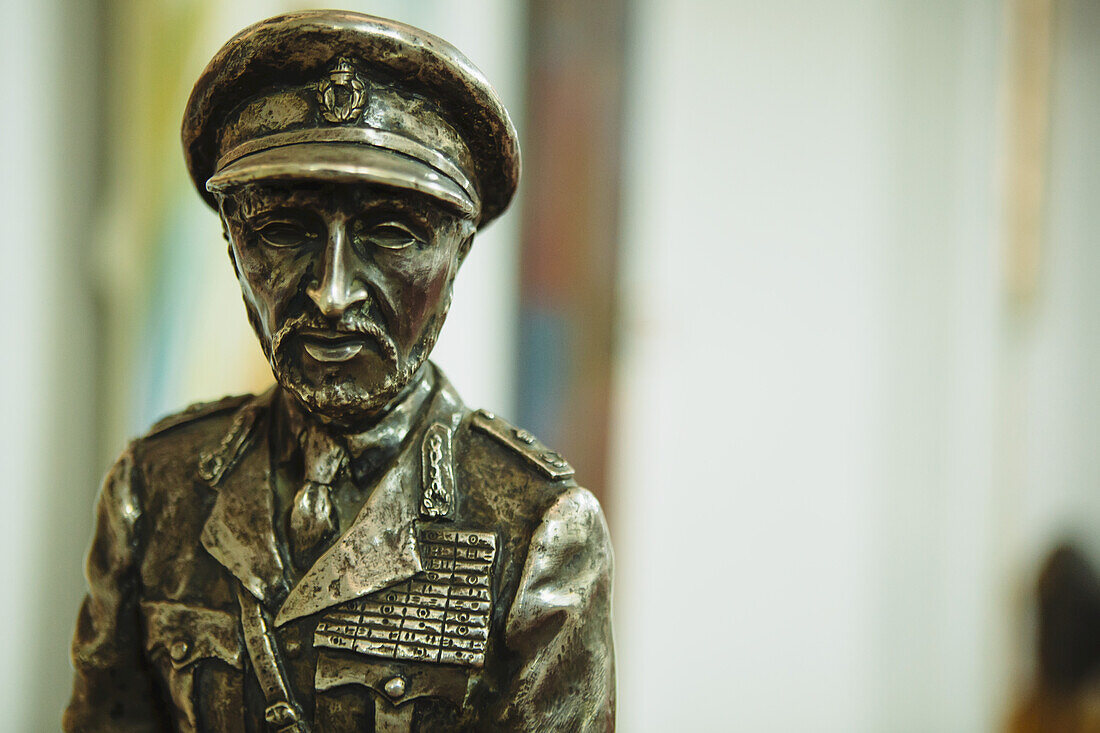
(282, 714)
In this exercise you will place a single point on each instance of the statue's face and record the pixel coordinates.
(347, 286)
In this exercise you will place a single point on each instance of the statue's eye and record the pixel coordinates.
(389, 235)
(286, 234)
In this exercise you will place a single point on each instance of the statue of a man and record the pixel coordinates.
(353, 549)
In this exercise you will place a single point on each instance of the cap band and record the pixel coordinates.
(343, 162)
(360, 135)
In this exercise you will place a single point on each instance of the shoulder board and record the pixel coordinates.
(531, 448)
(215, 462)
(197, 411)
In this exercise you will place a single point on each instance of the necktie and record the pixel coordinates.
(313, 518)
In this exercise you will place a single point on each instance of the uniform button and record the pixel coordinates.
(395, 687)
(554, 459)
(179, 650)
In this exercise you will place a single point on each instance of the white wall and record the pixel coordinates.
(841, 449)
(27, 250)
(47, 373)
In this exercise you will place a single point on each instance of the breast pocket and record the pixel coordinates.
(199, 654)
(394, 689)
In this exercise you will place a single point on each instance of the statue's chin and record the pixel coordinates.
(339, 402)
(345, 402)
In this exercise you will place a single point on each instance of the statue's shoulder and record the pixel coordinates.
(523, 446)
(211, 413)
(171, 453)
(534, 484)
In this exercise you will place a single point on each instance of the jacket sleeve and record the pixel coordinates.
(113, 689)
(560, 624)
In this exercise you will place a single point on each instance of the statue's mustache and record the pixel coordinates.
(350, 323)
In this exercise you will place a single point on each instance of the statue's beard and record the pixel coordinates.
(341, 399)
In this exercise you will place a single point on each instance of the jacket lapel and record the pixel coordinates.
(379, 549)
(239, 532)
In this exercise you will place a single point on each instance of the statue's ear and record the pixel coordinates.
(226, 207)
(464, 248)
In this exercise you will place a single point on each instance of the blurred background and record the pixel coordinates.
(807, 291)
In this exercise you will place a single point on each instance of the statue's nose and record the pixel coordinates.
(340, 286)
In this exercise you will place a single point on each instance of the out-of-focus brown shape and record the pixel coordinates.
(1066, 695)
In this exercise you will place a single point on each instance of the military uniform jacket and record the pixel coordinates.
(492, 616)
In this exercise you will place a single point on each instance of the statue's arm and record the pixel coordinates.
(112, 688)
(560, 624)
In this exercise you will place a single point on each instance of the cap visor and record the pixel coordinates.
(342, 163)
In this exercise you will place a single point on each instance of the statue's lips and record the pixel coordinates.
(330, 346)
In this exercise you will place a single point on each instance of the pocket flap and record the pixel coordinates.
(188, 633)
(394, 681)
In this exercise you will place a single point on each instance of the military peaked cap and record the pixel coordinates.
(341, 96)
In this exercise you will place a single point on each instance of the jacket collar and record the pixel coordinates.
(239, 532)
(378, 549)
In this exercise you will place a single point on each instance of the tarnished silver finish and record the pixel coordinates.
(354, 549)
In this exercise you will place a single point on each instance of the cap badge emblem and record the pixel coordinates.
(342, 94)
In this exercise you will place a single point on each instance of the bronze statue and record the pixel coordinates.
(354, 549)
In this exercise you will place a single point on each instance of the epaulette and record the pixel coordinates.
(527, 445)
(216, 462)
(197, 411)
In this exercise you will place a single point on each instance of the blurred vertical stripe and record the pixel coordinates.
(1028, 146)
(571, 228)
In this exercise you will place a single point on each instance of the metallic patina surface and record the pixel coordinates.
(354, 549)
